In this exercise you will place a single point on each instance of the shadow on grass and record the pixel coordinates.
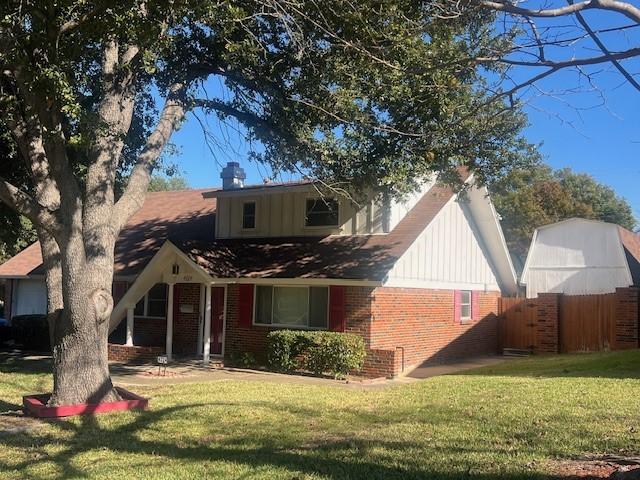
(616, 365)
(347, 458)
(15, 361)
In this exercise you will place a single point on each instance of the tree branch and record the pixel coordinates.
(24, 204)
(135, 192)
(624, 8)
(632, 52)
(605, 50)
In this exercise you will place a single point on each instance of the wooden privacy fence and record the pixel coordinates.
(558, 323)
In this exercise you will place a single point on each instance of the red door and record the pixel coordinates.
(217, 319)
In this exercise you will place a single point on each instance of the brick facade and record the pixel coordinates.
(136, 354)
(152, 332)
(627, 308)
(413, 326)
(398, 325)
(547, 322)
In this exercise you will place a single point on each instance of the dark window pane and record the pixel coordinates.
(158, 292)
(263, 304)
(139, 310)
(318, 300)
(322, 212)
(249, 215)
(157, 308)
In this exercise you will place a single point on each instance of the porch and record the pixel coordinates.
(171, 309)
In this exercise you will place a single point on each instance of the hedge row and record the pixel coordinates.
(319, 352)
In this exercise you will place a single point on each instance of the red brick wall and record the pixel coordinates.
(417, 320)
(239, 340)
(125, 354)
(547, 325)
(185, 325)
(627, 309)
(419, 323)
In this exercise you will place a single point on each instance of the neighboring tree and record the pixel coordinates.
(161, 183)
(361, 93)
(530, 198)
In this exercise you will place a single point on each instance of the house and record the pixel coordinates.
(211, 272)
(581, 257)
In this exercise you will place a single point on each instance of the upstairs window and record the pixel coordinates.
(465, 305)
(248, 215)
(301, 307)
(322, 212)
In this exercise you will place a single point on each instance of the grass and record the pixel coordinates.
(504, 421)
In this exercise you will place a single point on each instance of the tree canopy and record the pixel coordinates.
(530, 198)
(358, 94)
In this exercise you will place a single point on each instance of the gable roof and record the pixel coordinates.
(187, 219)
(183, 214)
(631, 244)
(362, 257)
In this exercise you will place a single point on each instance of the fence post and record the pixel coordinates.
(626, 318)
(548, 323)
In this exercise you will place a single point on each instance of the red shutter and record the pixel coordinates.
(457, 303)
(475, 306)
(336, 308)
(245, 305)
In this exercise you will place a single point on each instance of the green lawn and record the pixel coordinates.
(505, 421)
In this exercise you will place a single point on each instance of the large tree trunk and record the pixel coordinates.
(81, 330)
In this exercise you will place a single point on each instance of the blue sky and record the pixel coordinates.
(584, 131)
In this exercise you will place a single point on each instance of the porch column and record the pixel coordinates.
(130, 326)
(169, 346)
(206, 347)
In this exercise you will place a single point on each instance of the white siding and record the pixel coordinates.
(30, 297)
(282, 214)
(576, 257)
(447, 254)
(399, 209)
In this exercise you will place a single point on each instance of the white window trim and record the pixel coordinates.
(145, 308)
(285, 326)
(462, 317)
(320, 227)
(255, 216)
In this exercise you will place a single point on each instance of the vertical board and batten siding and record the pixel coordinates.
(398, 209)
(576, 257)
(282, 214)
(447, 252)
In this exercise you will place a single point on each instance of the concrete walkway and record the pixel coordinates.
(195, 372)
(428, 371)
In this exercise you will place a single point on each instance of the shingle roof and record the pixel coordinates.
(631, 244)
(187, 218)
(179, 215)
(362, 257)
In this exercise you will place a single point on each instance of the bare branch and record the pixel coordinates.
(623, 8)
(606, 51)
(630, 53)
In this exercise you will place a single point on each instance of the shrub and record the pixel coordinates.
(330, 353)
(244, 359)
(31, 331)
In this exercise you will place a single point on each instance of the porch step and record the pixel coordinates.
(516, 352)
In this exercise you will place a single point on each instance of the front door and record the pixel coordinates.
(217, 319)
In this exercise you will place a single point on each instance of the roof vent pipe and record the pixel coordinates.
(232, 176)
